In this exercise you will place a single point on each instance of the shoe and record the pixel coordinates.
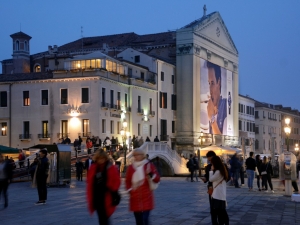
(40, 203)
(243, 184)
(259, 189)
(266, 191)
(272, 191)
(192, 181)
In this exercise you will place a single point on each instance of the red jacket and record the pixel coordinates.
(89, 144)
(112, 183)
(141, 199)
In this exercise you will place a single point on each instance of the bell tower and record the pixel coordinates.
(21, 52)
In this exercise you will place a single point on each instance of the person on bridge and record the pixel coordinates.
(5, 177)
(79, 169)
(156, 139)
(103, 182)
(141, 200)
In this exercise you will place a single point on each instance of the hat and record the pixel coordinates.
(44, 151)
(140, 151)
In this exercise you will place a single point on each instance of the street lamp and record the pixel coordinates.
(296, 147)
(124, 135)
(287, 130)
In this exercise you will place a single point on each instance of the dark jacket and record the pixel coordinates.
(266, 167)
(258, 165)
(79, 167)
(235, 164)
(42, 168)
(87, 164)
(196, 164)
(8, 171)
(191, 165)
(250, 163)
(206, 175)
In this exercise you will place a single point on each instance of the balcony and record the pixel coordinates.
(44, 137)
(152, 113)
(140, 111)
(25, 137)
(115, 107)
(85, 134)
(104, 105)
(164, 137)
(63, 135)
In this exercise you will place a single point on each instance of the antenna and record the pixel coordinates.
(82, 39)
(20, 27)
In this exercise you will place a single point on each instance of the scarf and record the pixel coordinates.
(138, 176)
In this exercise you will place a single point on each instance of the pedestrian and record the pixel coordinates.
(88, 162)
(158, 165)
(21, 158)
(5, 178)
(156, 139)
(196, 167)
(89, 146)
(41, 176)
(103, 183)
(258, 172)
(266, 173)
(190, 165)
(76, 146)
(205, 179)
(148, 139)
(235, 167)
(242, 171)
(138, 177)
(250, 168)
(218, 176)
(79, 169)
(67, 141)
(107, 144)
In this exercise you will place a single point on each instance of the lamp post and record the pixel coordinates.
(287, 131)
(124, 135)
(296, 148)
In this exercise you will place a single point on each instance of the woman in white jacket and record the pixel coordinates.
(218, 176)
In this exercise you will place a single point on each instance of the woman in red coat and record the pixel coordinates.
(103, 179)
(141, 196)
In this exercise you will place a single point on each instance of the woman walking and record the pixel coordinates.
(258, 175)
(5, 177)
(266, 173)
(138, 178)
(218, 176)
(103, 181)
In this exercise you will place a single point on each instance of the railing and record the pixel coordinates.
(104, 105)
(164, 137)
(44, 135)
(24, 136)
(140, 111)
(85, 134)
(116, 107)
(152, 113)
(63, 135)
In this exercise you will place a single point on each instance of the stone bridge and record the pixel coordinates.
(172, 162)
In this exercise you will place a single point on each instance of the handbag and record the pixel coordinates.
(116, 198)
(211, 188)
(152, 184)
(265, 172)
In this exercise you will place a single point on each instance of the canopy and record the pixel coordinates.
(219, 150)
(8, 150)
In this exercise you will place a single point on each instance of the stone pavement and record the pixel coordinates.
(177, 202)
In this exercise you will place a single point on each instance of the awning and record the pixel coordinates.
(8, 150)
(219, 150)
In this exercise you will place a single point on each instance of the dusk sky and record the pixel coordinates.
(266, 33)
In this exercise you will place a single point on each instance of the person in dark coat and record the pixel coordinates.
(156, 139)
(79, 169)
(148, 139)
(88, 163)
(191, 167)
(235, 167)
(5, 178)
(258, 175)
(266, 171)
(41, 176)
(196, 167)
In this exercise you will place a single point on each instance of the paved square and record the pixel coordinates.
(177, 202)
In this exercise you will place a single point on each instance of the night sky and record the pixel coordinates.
(266, 33)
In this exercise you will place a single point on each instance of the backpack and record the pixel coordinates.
(188, 164)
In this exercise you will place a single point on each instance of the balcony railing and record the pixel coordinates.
(24, 136)
(46, 136)
(164, 137)
(85, 134)
(140, 111)
(104, 105)
(63, 135)
(152, 113)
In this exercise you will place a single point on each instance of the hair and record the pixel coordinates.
(265, 160)
(257, 157)
(218, 165)
(100, 154)
(251, 154)
(210, 154)
(217, 70)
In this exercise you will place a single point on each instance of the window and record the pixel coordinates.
(4, 129)
(44, 97)
(240, 125)
(256, 144)
(257, 130)
(256, 115)
(150, 130)
(173, 79)
(37, 68)
(264, 144)
(248, 128)
(26, 130)
(45, 127)
(163, 100)
(264, 114)
(85, 127)
(139, 103)
(162, 76)
(63, 96)
(139, 129)
(125, 100)
(119, 100)
(173, 102)
(118, 127)
(142, 76)
(112, 127)
(150, 105)
(111, 98)
(26, 99)
(129, 72)
(3, 99)
(103, 97)
(173, 126)
(17, 45)
(137, 59)
(25, 46)
(64, 128)
(84, 95)
(103, 126)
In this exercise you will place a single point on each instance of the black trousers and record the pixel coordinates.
(3, 189)
(142, 218)
(192, 175)
(102, 217)
(42, 187)
(267, 178)
(79, 175)
(220, 216)
(258, 181)
(213, 215)
(242, 175)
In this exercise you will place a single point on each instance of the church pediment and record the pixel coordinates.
(213, 29)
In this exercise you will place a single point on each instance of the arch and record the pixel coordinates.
(167, 163)
(37, 68)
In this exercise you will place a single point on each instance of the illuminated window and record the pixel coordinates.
(45, 127)
(26, 99)
(37, 68)
(4, 129)
(85, 127)
(163, 100)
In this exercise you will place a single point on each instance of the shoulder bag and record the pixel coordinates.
(152, 184)
(211, 188)
(265, 172)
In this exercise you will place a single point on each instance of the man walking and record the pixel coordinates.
(88, 163)
(41, 176)
(5, 178)
(190, 165)
(79, 169)
(250, 168)
(235, 167)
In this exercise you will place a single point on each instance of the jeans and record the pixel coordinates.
(250, 176)
(192, 175)
(142, 218)
(196, 173)
(242, 176)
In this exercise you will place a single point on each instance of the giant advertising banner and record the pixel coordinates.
(216, 99)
